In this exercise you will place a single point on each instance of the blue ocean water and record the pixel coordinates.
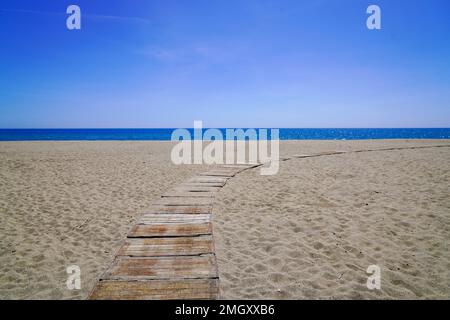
(165, 134)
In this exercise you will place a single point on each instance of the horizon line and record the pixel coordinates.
(174, 128)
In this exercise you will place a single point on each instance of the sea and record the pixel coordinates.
(166, 133)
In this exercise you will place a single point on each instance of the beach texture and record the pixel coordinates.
(310, 231)
(72, 203)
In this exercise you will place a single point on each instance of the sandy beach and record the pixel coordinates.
(309, 232)
(72, 203)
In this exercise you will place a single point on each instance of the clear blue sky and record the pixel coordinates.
(243, 63)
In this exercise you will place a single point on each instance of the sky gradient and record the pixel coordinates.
(156, 64)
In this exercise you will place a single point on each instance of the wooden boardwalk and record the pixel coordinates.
(169, 253)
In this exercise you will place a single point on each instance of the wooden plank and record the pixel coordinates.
(154, 247)
(217, 173)
(202, 184)
(184, 201)
(170, 230)
(193, 188)
(238, 170)
(196, 194)
(157, 289)
(191, 209)
(206, 178)
(158, 218)
(231, 169)
(241, 166)
(218, 184)
(177, 267)
(245, 163)
(210, 179)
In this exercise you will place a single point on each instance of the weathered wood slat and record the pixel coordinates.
(193, 188)
(206, 178)
(252, 164)
(191, 209)
(202, 184)
(170, 230)
(218, 174)
(184, 201)
(195, 194)
(243, 166)
(158, 218)
(209, 179)
(231, 169)
(237, 170)
(154, 247)
(157, 289)
(176, 267)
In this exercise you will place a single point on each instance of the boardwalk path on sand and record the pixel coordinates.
(169, 253)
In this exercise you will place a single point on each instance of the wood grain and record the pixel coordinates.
(190, 209)
(170, 230)
(209, 179)
(184, 201)
(156, 247)
(188, 194)
(156, 289)
(168, 218)
(176, 267)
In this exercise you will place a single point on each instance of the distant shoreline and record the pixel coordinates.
(165, 134)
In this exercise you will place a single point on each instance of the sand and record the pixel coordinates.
(72, 203)
(308, 232)
(311, 231)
